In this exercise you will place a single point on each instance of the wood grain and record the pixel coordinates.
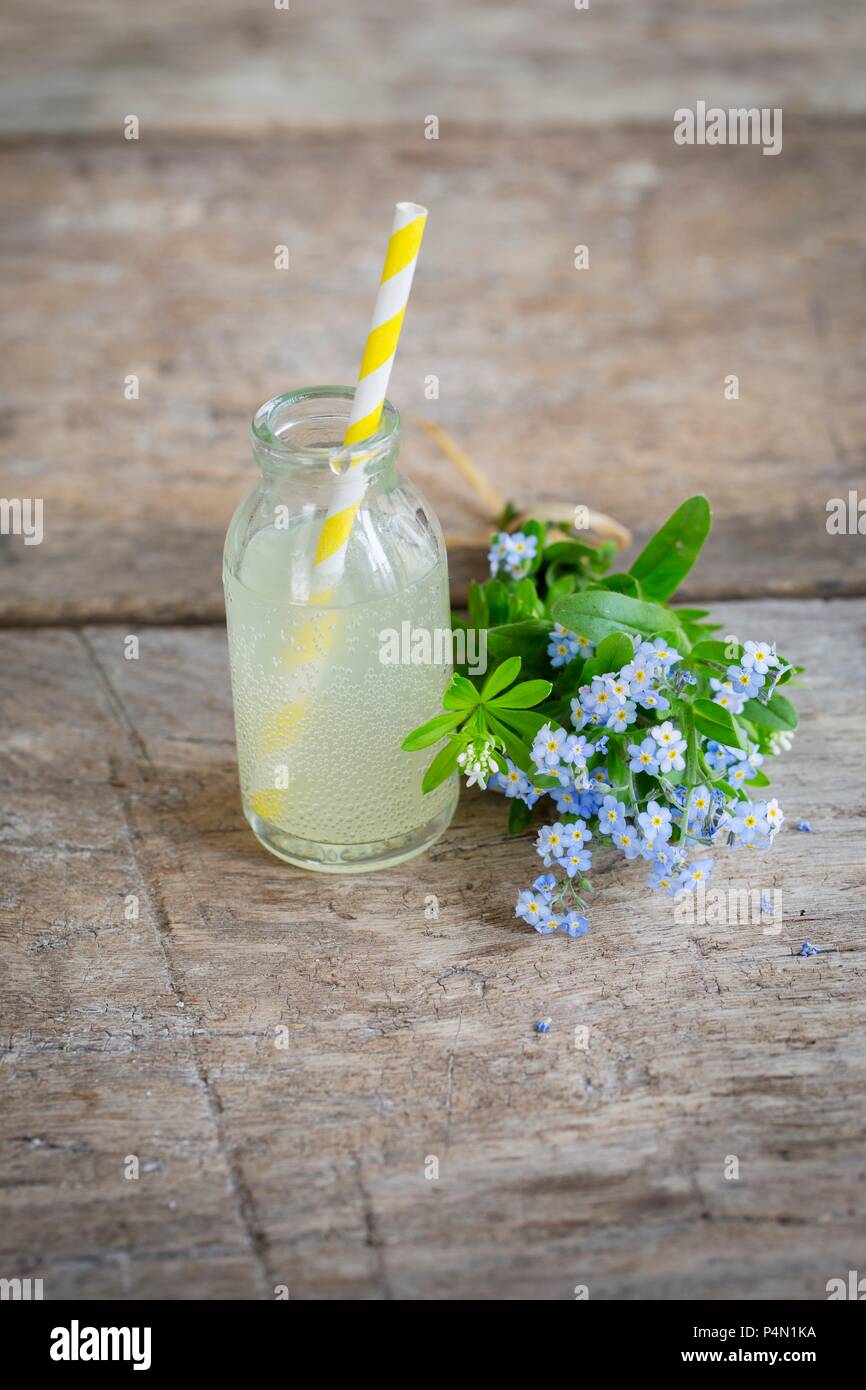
(153, 954)
(603, 387)
(223, 65)
(408, 1037)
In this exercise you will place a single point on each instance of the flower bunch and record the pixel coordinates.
(647, 809)
(639, 732)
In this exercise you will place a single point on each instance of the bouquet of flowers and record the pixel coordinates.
(633, 728)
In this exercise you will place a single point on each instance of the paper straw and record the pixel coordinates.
(379, 352)
(373, 377)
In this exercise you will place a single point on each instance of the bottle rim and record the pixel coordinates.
(280, 430)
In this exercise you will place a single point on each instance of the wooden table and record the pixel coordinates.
(286, 1054)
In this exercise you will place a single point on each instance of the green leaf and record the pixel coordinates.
(432, 731)
(603, 556)
(516, 749)
(691, 747)
(560, 587)
(572, 553)
(789, 672)
(598, 613)
(546, 781)
(673, 637)
(716, 652)
(501, 676)
(777, 714)
(523, 602)
(519, 816)
(524, 695)
(699, 632)
(623, 584)
(525, 721)
(666, 559)
(526, 640)
(479, 613)
(456, 697)
(713, 721)
(497, 602)
(612, 654)
(442, 766)
(758, 779)
(616, 765)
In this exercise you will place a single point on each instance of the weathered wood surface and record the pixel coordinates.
(409, 1037)
(602, 386)
(211, 65)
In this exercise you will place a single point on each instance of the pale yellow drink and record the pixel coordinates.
(321, 705)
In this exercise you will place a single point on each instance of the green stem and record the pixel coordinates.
(692, 752)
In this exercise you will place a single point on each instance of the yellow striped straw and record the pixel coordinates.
(375, 373)
(379, 353)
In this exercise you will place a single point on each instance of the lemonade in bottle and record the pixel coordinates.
(321, 704)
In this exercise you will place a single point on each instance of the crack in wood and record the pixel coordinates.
(373, 1236)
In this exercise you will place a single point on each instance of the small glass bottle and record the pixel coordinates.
(327, 684)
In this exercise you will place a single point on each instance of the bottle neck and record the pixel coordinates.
(299, 435)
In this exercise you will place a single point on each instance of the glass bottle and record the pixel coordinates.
(327, 681)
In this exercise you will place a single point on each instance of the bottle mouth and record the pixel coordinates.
(307, 428)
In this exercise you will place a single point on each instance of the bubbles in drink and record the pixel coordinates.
(319, 715)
